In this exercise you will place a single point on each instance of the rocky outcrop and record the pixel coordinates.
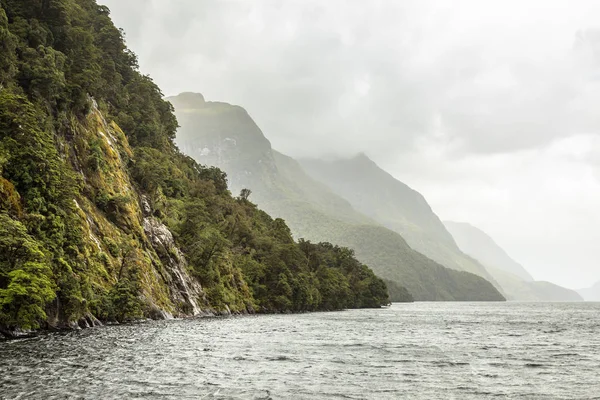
(183, 288)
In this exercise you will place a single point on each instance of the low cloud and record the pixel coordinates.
(468, 101)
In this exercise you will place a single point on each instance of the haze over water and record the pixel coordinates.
(420, 350)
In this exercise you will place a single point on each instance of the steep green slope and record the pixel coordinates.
(512, 276)
(215, 134)
(102, 217)
(377, 194)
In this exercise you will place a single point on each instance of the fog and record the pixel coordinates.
(490, 109)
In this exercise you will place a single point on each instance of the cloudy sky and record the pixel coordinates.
(490, 109)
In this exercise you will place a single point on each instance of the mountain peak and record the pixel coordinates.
(362, 156)
(188, 99)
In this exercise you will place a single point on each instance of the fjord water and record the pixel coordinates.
(420, 350)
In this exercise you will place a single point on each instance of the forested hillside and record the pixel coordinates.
(224, 135)
(101, 216)
(393, 204)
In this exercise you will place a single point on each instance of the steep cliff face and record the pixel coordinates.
(106, 227)
(120, 250)
(166, 285)
(185, 291)
(103, 218)
(280, 185)
(120, 223)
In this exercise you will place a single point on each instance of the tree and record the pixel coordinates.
(25, 277)
(64, 228)
(245, 194)
(8, 46)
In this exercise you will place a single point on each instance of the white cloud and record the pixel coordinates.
(489, 108)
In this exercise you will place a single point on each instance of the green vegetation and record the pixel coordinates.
(398, 293)
(225, 136)
(391, 203)
(101, 214)
(25, 276)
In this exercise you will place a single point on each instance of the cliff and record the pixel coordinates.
(102, 218)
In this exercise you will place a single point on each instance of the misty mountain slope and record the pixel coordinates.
(273, 177)
(393, 204)
(512, 276)
(592, 293)
(548, 291)
(478, 244)
(515, 288)
(302, 186)
(281, 187)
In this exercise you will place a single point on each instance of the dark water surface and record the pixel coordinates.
(421, 351)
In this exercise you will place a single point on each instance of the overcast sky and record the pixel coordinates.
(491, 109)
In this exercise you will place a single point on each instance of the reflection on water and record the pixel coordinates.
(421, 350)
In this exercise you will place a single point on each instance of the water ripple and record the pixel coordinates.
(422, 350)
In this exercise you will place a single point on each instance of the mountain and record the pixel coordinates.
(103, 218)
(477, 243)
(377, 194)
(592, 293)
(225, 136)
(518, 289)
(517, 283)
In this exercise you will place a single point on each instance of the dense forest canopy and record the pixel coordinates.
(102, 216)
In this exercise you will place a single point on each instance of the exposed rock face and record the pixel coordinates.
(16, 333)
(167, 288)
(88, 321)
(183, 288)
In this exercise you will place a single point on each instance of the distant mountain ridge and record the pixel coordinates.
(477, 243)
(226, 136)
(393, 204)
(592, 293)
(517, 283)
